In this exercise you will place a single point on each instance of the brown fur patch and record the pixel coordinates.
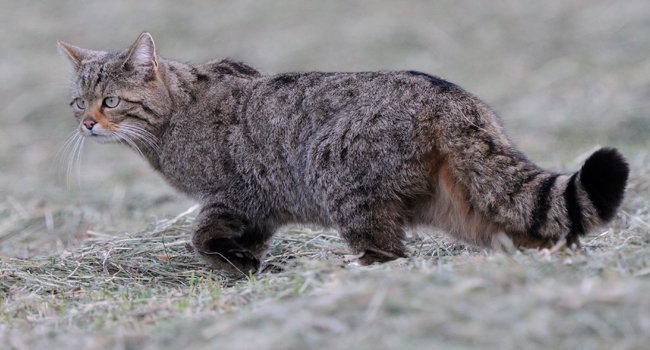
(100, 118)
(523, 240)
(450, 210)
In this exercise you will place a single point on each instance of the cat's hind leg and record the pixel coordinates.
(372, 230)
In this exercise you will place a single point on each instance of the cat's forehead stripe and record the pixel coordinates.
(98, 76)
(93, 71)
(91, 77)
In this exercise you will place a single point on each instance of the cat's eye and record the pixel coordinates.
(80, 103)
(111, 101)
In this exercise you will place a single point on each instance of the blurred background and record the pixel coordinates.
(565, 76)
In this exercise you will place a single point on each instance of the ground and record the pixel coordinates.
(97, 257)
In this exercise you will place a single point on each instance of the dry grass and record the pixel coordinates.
(154, 292)
(146, 289)
(105, 264)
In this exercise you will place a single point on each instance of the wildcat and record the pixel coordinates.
(367, 153)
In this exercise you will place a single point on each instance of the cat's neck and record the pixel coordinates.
(182, 91)
(178, 81)
(190, 85)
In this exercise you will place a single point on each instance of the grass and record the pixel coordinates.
(150, 288)
(104, 263)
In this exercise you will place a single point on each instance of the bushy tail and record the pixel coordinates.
(603, 177)
(515, 196)
(593, 194)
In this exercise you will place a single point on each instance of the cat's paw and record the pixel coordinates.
(243, 260)
(227, 255)
(374, 255)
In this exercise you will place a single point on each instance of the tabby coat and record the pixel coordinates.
(368, 153)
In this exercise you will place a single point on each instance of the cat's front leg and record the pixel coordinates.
(218, 239)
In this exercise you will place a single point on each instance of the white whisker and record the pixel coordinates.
(72, 148)
(78, 161)
(130, 142)
(63, 150)
(148, 143)
(72, 158)
(69, 161)
(137, 133)
(143, 134)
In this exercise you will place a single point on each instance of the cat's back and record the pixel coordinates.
(354, 114)
(338, 91)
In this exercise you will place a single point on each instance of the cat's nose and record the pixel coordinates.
(89, 122)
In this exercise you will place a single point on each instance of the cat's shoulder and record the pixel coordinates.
(232, 67)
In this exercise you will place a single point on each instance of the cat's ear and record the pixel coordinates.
(142, 53)
(73, 53)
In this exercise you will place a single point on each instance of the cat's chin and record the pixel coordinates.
(102, 138)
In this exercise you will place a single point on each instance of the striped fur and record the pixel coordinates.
(368, 153)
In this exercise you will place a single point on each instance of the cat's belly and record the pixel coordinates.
(259, 192)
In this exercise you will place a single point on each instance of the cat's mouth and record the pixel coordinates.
(104, 139)
(98, 134)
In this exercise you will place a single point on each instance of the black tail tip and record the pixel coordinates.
(604, 176)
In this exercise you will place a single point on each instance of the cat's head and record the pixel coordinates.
(119, 96)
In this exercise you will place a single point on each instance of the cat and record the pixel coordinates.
(368, 153)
